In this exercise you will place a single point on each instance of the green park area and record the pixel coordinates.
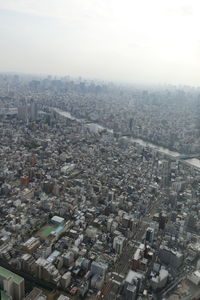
(45, 231)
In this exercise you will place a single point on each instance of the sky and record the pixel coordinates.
(133, 41)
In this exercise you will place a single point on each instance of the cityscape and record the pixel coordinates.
(90, 207)
(99, 150)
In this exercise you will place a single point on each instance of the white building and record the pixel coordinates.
(159, 281)
(57, 220)
(118, 244)
(195, 277)
(65, 280)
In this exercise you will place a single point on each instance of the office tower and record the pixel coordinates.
(165, 173)
(33, 111)
(99, 268)
(149, 235)
(132, 285)
(118, 244)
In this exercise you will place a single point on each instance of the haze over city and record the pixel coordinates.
(99, 150)
(130, 41)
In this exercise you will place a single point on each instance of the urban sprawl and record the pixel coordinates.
(92, 204)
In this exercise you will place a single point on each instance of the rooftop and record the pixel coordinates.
(8, 274)
(133, 276)
(57, 219)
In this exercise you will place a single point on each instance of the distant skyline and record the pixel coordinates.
(133, 41)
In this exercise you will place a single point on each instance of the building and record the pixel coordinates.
(109, 224)
(149, 235)
(62, 297)
(170, 257)
(36, 294)
(131, 292)
(53, 256)
(97, 282)
(118, 244)
(165, 173)
(65, 280)
(31, 245)
(5, 296)
(68, 258)
(28, 263)
(12, 284)
(159, 280)
(194, 277)
(28, 112)
(47, 271)
(23, 113)
(138, 256)
(84, 288)
(57, 220)
(91, 232)
(110, 196)
(99, 268)
(33, 111)
(132, 285)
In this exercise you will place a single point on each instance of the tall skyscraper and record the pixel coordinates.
(33, 111)
(28, 112)
(149, 235)
(165, 173)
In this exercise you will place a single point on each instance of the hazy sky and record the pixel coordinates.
(153, 41)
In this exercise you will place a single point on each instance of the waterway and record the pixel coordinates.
(97, 127)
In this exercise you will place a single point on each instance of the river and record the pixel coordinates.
(96, 128)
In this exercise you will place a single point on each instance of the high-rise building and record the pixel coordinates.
(158, 281)
(65, 280)
(110, 196)
(99, 268)
(132, 285)
(165, 173)
(4, 295)
(170, 257)
(149, 235)
(118, 244)
(131, 292)
(28, 112)
(12, 284)
(33, 111)
(23, 113)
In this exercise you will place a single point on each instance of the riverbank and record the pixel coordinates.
(194, 162)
